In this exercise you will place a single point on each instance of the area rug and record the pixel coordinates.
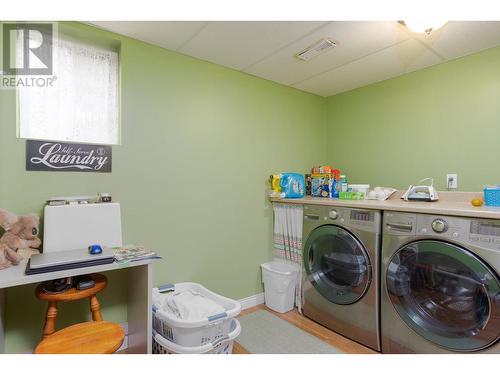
(264, 333)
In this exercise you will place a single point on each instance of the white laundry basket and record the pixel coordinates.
(223, 345)
(279, 279)
(195, 333)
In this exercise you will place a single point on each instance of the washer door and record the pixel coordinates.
(446, 294)
(337, 264)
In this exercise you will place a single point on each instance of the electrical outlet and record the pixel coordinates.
(451, 181)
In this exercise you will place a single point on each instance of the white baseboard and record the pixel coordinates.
(252, 301)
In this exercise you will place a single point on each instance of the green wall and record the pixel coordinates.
(443, 119)
(198, 143)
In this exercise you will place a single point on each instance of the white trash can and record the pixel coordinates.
(279, 280)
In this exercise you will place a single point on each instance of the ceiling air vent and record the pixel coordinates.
(316, 49)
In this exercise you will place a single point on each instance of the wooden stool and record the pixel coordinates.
(71, 294)
(84, 338)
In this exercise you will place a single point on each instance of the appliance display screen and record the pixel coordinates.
(362, 215)
(487, 229)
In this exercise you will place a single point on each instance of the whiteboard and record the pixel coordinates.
(78, 226)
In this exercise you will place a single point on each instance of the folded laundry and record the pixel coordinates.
(186, 305)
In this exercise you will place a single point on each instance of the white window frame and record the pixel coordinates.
(97, 46)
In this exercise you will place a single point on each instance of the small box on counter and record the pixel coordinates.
(324, 181)
(351, 195)
(321, 185)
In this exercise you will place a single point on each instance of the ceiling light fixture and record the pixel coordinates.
(423, 26)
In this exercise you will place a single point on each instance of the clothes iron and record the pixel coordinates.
(426, 193)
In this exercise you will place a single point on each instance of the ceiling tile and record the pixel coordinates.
(171, 35)
(240, 44)
(367, 51)
(404, 57)
(461, 38)
(355, 40)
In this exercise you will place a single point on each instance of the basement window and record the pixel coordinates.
(83, 103)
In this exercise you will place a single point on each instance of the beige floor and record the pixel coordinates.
(312, 328)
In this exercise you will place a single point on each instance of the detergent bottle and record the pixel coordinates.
(334, 191)
(292, 185)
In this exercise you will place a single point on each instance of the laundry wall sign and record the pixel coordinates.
(67, 157)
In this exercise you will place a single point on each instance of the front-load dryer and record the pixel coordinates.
(440, 285)
(340, 263)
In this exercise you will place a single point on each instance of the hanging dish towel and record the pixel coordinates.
(288, 239)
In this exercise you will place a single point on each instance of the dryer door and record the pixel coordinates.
(446, 294)
(337, 264)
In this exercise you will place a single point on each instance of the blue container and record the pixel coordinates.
(292, 185)
(492, 195)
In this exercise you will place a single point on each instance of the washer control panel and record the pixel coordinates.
(400, 223)
(366, 220)
(483, 233)
(453, 228)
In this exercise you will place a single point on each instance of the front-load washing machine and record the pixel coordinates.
(340, 264)
(440, 285)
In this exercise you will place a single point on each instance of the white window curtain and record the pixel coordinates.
(82, 105)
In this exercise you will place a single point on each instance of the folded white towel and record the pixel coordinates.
(187, 305)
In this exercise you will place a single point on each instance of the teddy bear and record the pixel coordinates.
(20, 239)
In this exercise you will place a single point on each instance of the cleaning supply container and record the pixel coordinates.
(178, 335)
(492, 195)
(280, 280)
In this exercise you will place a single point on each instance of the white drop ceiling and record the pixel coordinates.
(367, 51)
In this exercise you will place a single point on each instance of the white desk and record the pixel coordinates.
(140, 283)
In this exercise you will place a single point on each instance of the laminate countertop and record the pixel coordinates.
(449, 203)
